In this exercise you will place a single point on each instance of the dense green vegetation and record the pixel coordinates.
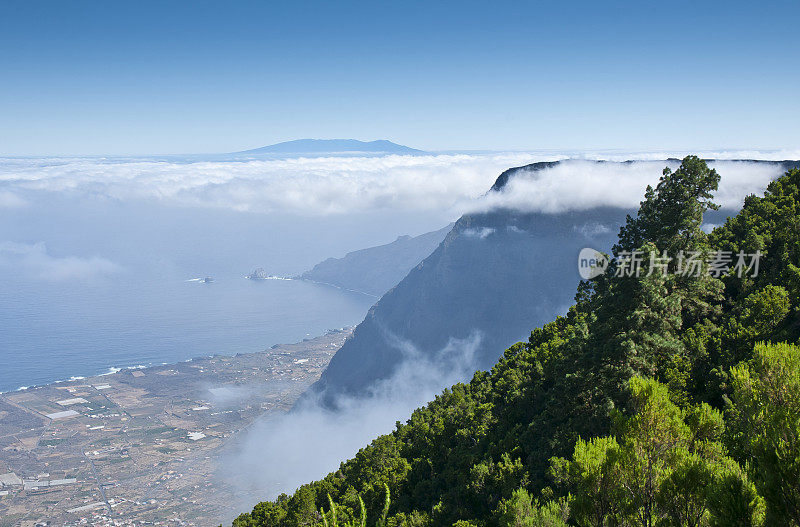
(659, 399)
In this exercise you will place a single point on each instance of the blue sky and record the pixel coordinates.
(199, 77)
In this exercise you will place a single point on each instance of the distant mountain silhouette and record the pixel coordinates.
(377, 269)
(319, 146)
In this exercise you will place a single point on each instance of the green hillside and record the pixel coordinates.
(667, 398)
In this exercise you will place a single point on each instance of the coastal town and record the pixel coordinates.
(136, 447)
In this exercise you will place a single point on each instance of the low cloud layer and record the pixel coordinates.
(583, 184)
(339, 185)
(721, 155)
(35, 261)
(309, 186)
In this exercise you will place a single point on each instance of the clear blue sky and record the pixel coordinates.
(94, 77)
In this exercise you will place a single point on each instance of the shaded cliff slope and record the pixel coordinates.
(375, 270)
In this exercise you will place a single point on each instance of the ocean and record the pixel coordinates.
(53, 332)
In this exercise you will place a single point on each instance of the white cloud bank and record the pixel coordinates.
(721, 155)
(339, 185)
(35, 260)
(310, 186)
(583, 184)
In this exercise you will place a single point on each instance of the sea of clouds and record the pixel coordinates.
(307, 186)
(319, 186)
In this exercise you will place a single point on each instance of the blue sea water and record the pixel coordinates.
(56, 331)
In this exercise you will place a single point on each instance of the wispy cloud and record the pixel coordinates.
(35, 260)
(481, 233)
(280, 453)
(9, 200)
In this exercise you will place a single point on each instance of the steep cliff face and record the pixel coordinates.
(495, 275)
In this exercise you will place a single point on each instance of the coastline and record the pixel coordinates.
(138, 444)
(340, 288)
(112, 370)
